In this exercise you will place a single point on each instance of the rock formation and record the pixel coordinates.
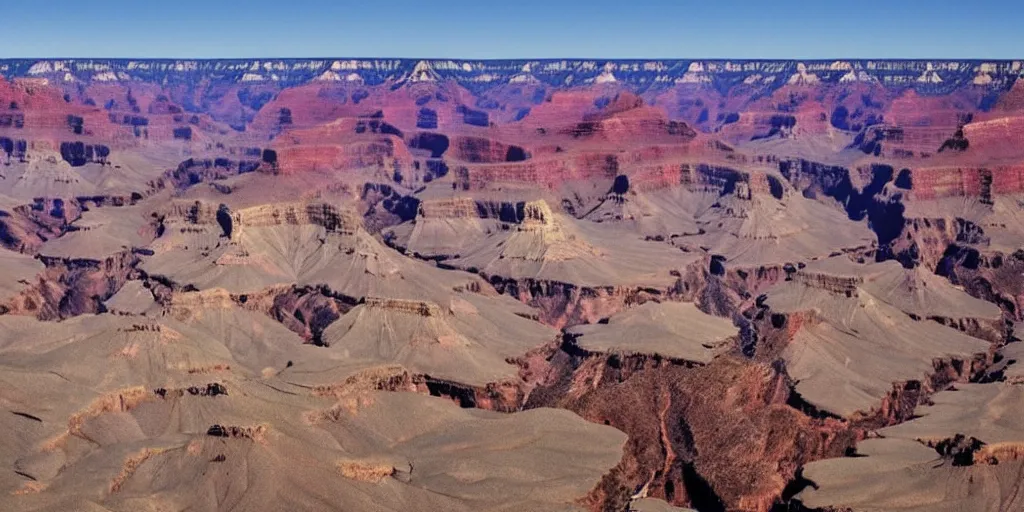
(574, 284)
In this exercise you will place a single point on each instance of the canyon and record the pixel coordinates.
(469, 285)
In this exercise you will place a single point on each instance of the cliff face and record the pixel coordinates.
(720, 437)
(918, 74)
(298, 213)
(132, 102)
(992, 276)
(73, 287)
(324, 215)
(565, 304)
(519, 193)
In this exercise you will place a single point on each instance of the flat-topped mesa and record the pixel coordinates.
(383, 153)
(449, 227)
(551, 166)
(512, 212)
(471, 208)
(654, 176)
(903, 141)
(870, 356)
(638, 124)
(961, 436)
(923, 294)
(410, 307)
(674, 330)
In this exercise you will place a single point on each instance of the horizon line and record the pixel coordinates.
(499, 59)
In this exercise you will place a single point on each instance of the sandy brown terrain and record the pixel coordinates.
(511, 286)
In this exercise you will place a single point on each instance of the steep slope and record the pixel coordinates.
(292, 243)
(229, 284)
(109, 408)
(858, 329)
(962, 453)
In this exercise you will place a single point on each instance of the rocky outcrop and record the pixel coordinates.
(482, 150)
(498, 396)
(916, 74)
(991, 276)
(566, 304)
(974, 182)
(899, 405)
(255, 433)
(304, 310)
(995, 137)
(505, 396)
(458, 208)
(209, 390)
(838, 284)
(409, 307)
(194, 171)
(324, 215)
(382, 153)
(745, 155)
(685, 445)
(300, 213)
(72, 287)
(554, 169)
(26, 227)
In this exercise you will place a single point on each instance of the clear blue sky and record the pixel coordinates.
(513, 28)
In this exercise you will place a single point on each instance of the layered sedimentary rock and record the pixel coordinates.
(764, 222)
(857, 329)
(715, 437)
(963, 452)
(541, 251)
(467, 340)
(121, 421)
(273, 245)
(228, 284)
(69, 287)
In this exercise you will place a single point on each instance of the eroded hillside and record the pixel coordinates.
(393, 285)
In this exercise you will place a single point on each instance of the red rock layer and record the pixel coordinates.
(715, 436)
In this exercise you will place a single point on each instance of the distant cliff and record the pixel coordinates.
(926, 76)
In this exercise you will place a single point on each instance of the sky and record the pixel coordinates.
(488, 29)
